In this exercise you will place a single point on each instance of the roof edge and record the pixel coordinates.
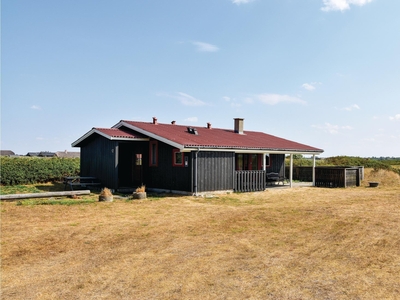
(99, 132)
(149, 134)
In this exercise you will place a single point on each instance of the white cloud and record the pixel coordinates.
(273, 99)
(205, 47)
(332, 5)
(308, 86)
(351, 107)
(331, 128)
(35, 107)
(395, 117)
(227, 99)
(238, 2)
(191, 119)
(185, 99)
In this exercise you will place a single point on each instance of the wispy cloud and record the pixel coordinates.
(36, 107)
(205, 47)
(351, 107)
(308, 86)
(185, 99)
(273, 99)
(192, 119)
(331, 128)
(395, 117)
(238, 2)
(232, 101)
(334, 5)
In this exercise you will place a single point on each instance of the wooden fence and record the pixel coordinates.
(249, 181)
(305, 173)
(337, 176)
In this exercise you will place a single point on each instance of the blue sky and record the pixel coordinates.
(321, 72)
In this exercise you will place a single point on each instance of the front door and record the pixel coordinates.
(137, 169)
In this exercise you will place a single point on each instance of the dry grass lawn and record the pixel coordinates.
(301, 243)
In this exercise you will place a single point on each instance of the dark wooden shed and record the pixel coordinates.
(176, 158)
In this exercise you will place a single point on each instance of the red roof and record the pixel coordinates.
(215, 137)
(110, 133)
(119, 133)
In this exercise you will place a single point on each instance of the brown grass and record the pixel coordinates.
(303, 243)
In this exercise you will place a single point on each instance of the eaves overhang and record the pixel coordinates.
(252, 150)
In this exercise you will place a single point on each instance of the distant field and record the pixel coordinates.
(302, 243)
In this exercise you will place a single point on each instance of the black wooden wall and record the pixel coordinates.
(98, 159)
(215, 171)
(111, 162)
(165, 175)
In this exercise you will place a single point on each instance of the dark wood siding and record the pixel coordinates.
(215, 171)
(165, 175)
(99, 159)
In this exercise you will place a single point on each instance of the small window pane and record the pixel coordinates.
(178, 158)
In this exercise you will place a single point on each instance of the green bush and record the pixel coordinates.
(357, 161)
(31, 170)
(377, 164)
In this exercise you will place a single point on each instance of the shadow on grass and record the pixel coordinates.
(50, 187)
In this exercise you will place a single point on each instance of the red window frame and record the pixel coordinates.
(153, 154)
(174, 163)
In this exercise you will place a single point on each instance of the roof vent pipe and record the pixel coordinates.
(155, 121)
(238, 125)
(209, 125)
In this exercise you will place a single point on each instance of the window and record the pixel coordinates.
(254, 162)
(138, 159)
(153, 154)
(177, 158)
(249, 161)
(239, 162)
(267, 160)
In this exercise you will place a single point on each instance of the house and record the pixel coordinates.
(188, 159)
(6, 153)
(41, 154)
(67, 154)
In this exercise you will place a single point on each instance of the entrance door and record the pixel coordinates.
(137, 169)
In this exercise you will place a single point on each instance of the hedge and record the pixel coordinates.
(31, 170)
(349, 161)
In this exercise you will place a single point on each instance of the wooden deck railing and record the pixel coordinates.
(250, 181)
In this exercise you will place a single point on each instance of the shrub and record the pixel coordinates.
(106, 192)
(31, 170)
(141, 189)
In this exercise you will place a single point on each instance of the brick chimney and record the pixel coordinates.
(209, 125)
(155, 121)
(238, 125)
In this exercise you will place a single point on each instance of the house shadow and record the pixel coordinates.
(52, 187)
